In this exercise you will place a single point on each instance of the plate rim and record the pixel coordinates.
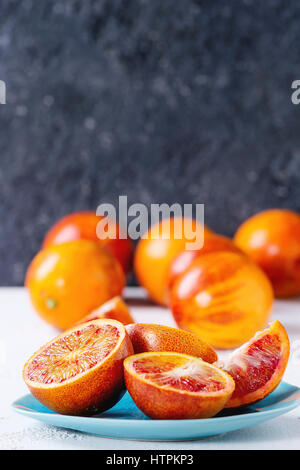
(160, 422)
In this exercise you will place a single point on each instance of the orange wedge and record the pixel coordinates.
(258, 366)
(114, 308)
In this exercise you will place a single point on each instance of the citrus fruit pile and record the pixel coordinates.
(223, 291)
(220, 295)
(169, 373)
(270, 238)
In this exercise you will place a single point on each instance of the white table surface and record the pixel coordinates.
(23, 332)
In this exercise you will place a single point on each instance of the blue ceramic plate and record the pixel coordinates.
(126, 421)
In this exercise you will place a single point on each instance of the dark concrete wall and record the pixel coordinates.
(165, 101)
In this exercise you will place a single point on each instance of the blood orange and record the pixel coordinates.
(258, 366)
(80, 372)
(114, 308)
(146, 337)
(169, 385)
(87, 225)
(68, 281)
(223, 297)
(213, 242)
(156, 250)
(272, 239)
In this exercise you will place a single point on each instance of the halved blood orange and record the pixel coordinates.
(258, 366)
(114, 308)
(166, 385)
(80, 372)
(146, 337)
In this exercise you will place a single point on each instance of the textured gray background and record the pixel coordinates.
(165, 101)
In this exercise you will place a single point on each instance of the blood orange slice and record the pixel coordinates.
(258, 366)
(114, 308)
(168, 385)
(146, 337)
(80, 372)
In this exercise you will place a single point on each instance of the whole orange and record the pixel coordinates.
(212, 243)
(147, 337)
(272, 239)
(68, 281)
(224, 297)
(84, 225)
(155, 252)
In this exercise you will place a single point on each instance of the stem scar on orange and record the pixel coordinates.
(68, 281)
(80, 372)
(84, 225)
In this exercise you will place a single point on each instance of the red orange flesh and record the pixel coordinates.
(168, 385)
(114, 308)
(80, 372)
(258, 366)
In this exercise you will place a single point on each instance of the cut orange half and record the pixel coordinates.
(80, 372)
(258, 366)
(114, 308)
(167, 385)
